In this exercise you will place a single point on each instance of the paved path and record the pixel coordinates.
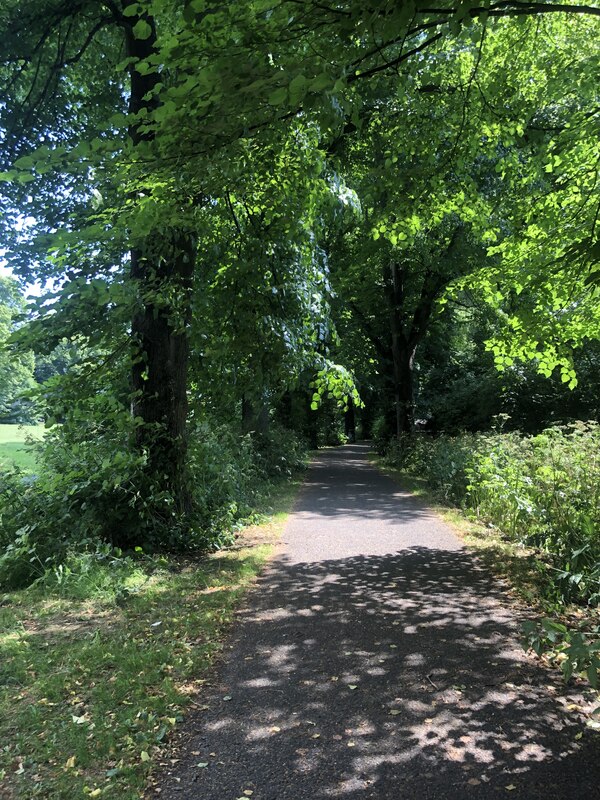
(377, 659)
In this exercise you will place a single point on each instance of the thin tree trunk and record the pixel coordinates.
(247, 415)
(404, 390)
(403, 355)
(350, 422)
(311, 423)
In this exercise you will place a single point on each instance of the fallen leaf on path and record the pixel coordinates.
(510, 787)
(394, 712)
(228, 697)
(202, 764)
(473, 782)
(353, 686)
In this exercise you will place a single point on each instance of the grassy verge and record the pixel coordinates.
(13, 445)
(99, 663)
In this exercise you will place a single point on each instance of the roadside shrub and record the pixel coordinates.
(542, 491)
(576, 651)
(92, 491)
(442, 461)
(104, 573)
(381, 431)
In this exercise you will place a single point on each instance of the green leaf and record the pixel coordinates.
(278, 97)
(297, 89)
(132, 10)
(142, 30)
(322, 81)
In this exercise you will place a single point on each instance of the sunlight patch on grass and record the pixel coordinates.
(14, 451)
(98, 666)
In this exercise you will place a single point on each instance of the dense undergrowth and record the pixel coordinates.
(113, 610)
(541, 492)
(90, 493)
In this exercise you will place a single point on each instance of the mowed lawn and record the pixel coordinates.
(14, 450)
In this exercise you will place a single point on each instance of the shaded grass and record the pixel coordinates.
(99, 662)
(14, 450)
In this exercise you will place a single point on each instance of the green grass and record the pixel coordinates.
(13, 445)
(100, 662)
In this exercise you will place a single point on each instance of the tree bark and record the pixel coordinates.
(404, 391)
(403, 353)
(350, 422)
(312, 430)
(160, 364)
(162, 267)
(255, 416)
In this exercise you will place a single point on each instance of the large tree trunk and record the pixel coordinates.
(162, 268)
(160, 364)
(407, 332)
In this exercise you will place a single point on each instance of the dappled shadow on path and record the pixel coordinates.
(389, 675)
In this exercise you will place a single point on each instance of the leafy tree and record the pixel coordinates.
(122, 123)
(16, 369)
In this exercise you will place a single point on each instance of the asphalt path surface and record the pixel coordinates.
(377, 658)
